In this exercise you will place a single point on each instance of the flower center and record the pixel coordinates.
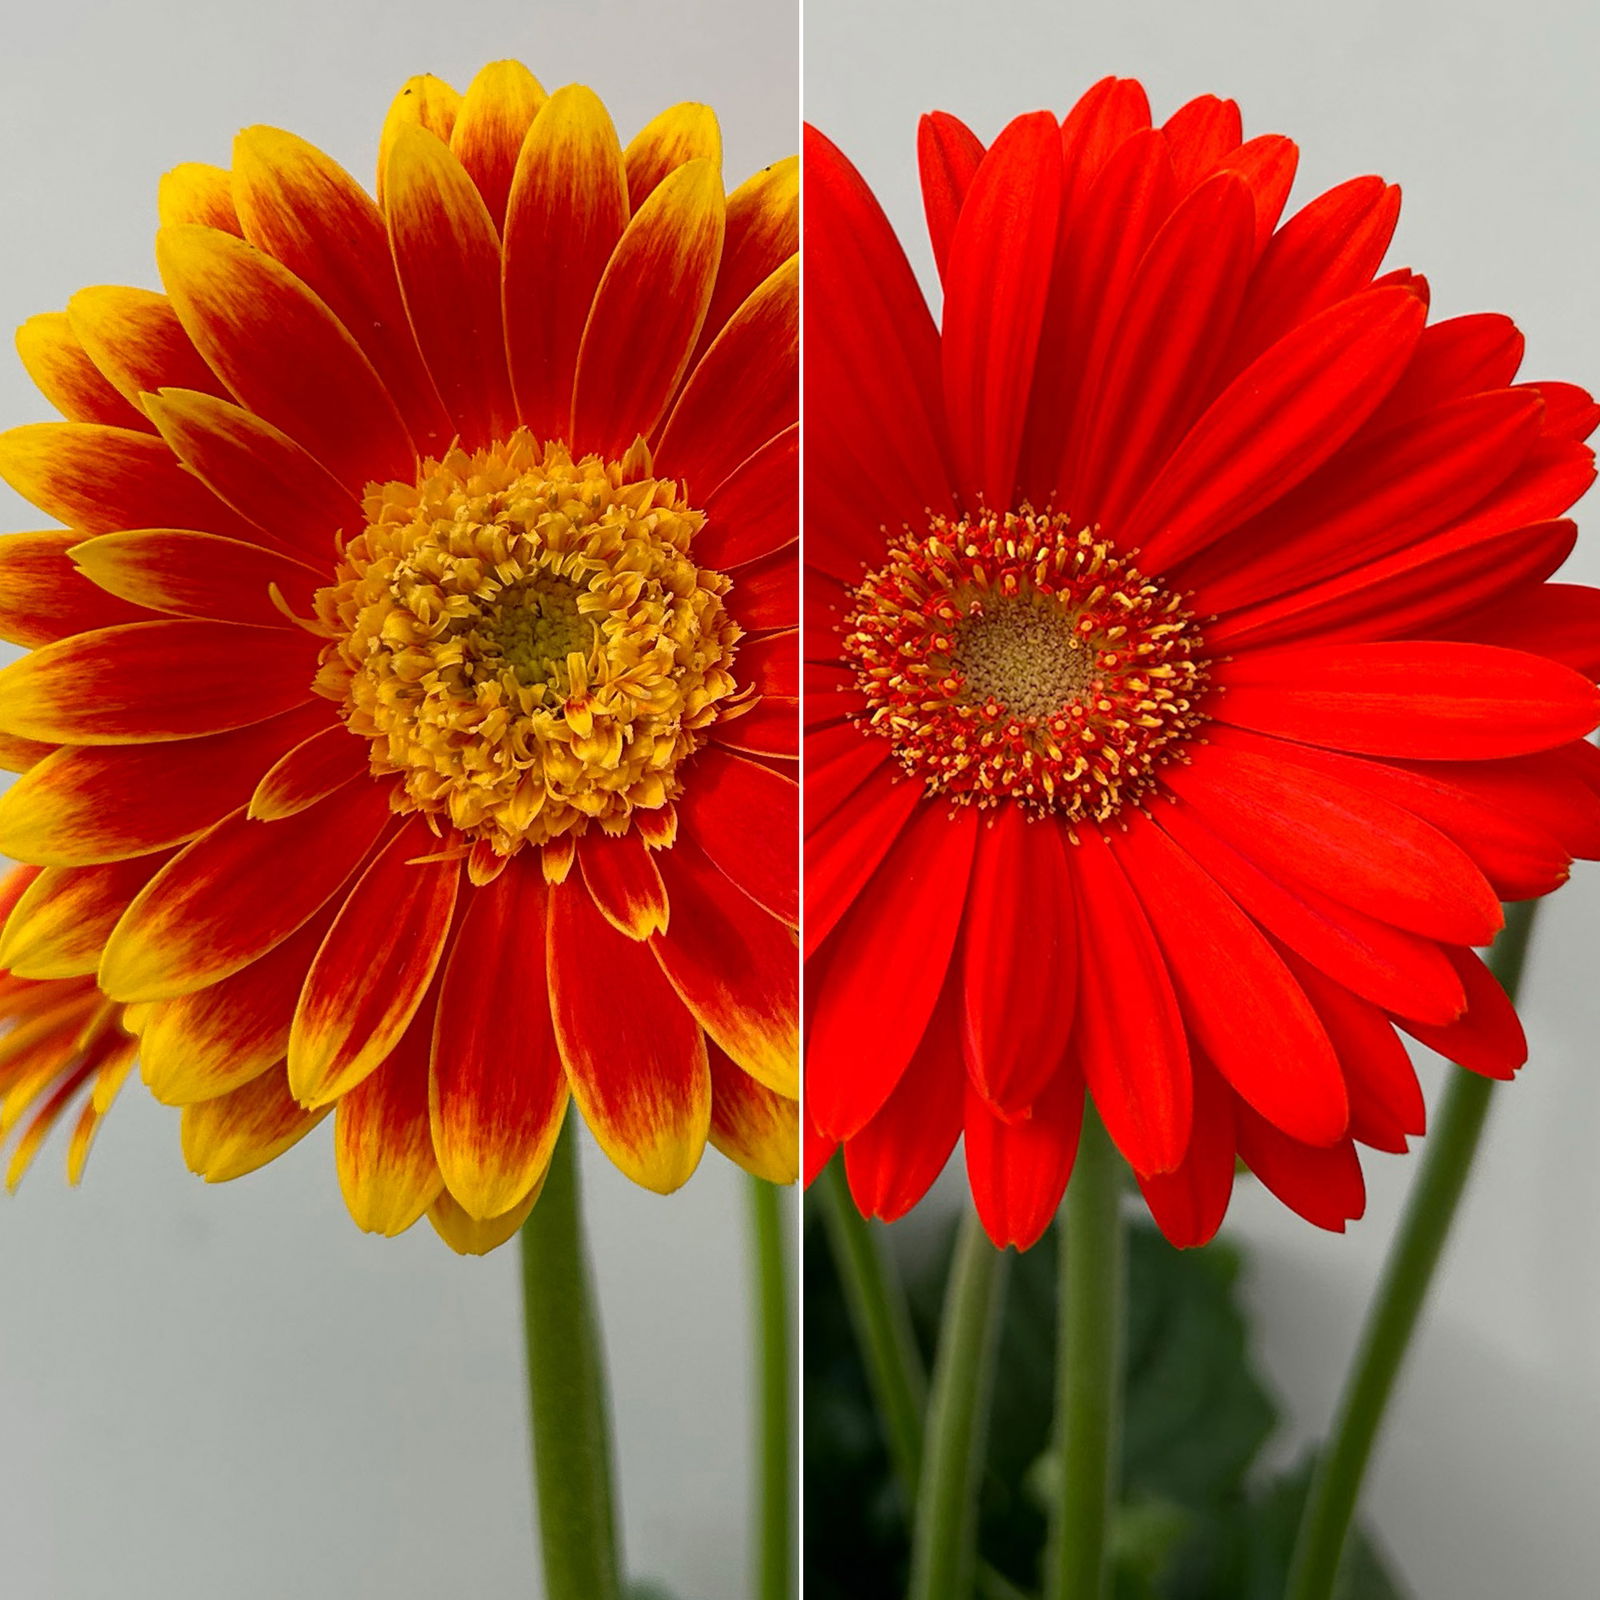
(1017, 657)
(527, 641)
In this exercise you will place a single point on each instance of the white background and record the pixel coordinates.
(230, 1392)
(1486, 114)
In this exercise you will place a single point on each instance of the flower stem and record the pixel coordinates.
(1093, 1281)
(774, 1555)
(567, 1392)
(1414, 1254)
(944, 1535)
(882, 1323)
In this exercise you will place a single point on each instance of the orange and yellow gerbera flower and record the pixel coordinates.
(413, 682)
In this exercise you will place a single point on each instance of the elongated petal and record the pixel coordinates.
(1018, 1171)
(469, 1237)
(98, 479)
(569, 185)
(306, 211)
(66, 375)
(83, 805)
(734, 967)
(622, 876)
(447, 255)
(236, 892)
(746, 818)
(753, 1126)
(949, 154)
(258, 470)
(155, 681)
(135, 338)
(382, 1142)
(322, 762)
(242, 1130)
(762, 232)
(497, 1090)
(755, 510)
(846, 850)
(1019, 961)
(424, 100)
(496, 112)
(745, 391)
(1189, 1202)
(373, 968)
(284, 354)
(897, 939)
(59, 926)
(648, 308)
(198, 575)
(638, 1072)
(676, 136)
(44, 597)
(199, 1045)
(196, 191)
(1427, 700)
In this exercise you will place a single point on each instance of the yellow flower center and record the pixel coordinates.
(527, 641)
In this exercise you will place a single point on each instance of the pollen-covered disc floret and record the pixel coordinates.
(1019, 657)
(527, 641)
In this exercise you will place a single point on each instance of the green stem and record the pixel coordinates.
(944, 1537)
(1442, 1174)
(774, 1496)
(567, 1392)
(1093, 1280)
(882, 1323)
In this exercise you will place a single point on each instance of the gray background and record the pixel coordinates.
(1486, 115)
(230, 1392)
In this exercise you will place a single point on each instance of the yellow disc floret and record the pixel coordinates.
(527, 641)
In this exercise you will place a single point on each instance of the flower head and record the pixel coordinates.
(1187, 686)
(413, 685)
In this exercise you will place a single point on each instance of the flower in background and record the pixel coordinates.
(1185, 685)
(410, 716)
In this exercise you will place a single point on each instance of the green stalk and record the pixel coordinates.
(1414, 1254)
(944, 1535)
(1089, 1373)
(567, 1392)
(774, 1491)
(882, 1322)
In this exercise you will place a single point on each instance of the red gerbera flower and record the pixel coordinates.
(1186, 687)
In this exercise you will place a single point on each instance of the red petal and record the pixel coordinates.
(746, 818)
(1018, 1171)
(43, 595)
(1189, 1203)
(845, 851)
(1322, 1185)
(496, 112)
(756, 510)
(897, 940)
(498, 1092)
(639, 1071)
(949, 154)
(1488, 1038)
(622, 876)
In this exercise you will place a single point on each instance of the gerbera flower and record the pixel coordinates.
(1188, 691)
(414, 677)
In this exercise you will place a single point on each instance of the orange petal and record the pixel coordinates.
(469, 1237)
(763, 232)
(303, 209)
(647, 311)
(106, 1084)
(21, 755)
(200, 1045)
(447, 254)
(98, 479)
(43, 596)
(757, 509)
(423, 101)
(745, 391)
(625, 883)
(198, 575)
(309, 772)
(373, 968)
(66, 375)
(746, 818)
(753, 1127)
(155, 680)
(258, 470)
(284, 354)
(637, 1069)
(569, 185)
(735, 968)
(680, 134)
(195, 191)
(63, 920)
(246, 1128)
(84, 805)
(498, 1092)
(496, 113)
(237, 892)
(134, 337)
(382, 1142)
